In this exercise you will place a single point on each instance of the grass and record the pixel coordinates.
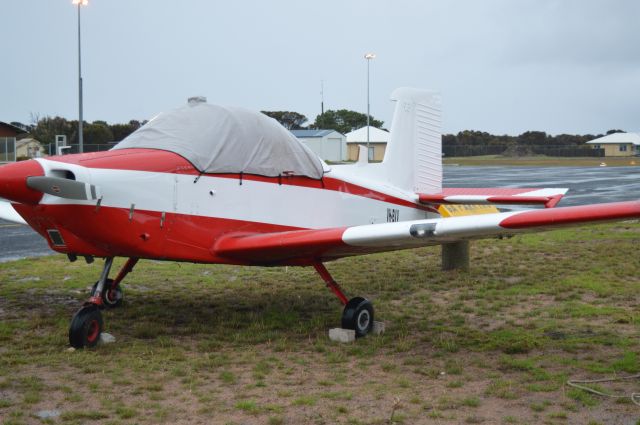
(249, 345)
(542, 161)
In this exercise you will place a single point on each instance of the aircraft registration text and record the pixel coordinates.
(393, 215)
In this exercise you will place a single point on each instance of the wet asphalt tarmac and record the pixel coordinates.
(587, 185)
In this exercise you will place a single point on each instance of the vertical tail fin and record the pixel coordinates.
(413, 159)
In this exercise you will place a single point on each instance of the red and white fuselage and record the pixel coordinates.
(155, 204)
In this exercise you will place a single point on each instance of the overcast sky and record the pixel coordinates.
(502, 66)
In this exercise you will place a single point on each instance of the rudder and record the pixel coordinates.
(413, 159)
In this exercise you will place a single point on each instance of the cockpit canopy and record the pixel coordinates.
(220, 139)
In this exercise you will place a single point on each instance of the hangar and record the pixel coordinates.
(327, 144)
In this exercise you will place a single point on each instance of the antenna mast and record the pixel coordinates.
(321, 97)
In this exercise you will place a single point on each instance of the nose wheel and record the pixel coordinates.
(87, 324)
(86, 327)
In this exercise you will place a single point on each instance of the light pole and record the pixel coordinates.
(368, 57)
(80, 3)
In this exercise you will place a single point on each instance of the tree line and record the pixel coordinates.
(343, 121)
(528, 138)
(44, 129)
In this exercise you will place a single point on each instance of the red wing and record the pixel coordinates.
(306, 246)
(273, 248)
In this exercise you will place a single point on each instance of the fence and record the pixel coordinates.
(549, 150)
(87, 147)
(7, 149)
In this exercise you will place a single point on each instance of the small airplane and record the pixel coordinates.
(225, 185)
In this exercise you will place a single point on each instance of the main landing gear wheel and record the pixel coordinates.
(110, 297)
(86, 327)
(358, 315)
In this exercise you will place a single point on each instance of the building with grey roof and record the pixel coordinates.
(327, 144)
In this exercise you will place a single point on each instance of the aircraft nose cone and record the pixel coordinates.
(13, 182)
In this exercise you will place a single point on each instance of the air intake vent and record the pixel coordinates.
(55, 237)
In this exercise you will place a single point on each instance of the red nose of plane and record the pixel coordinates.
(13, 182)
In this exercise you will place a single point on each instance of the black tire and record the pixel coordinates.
(86, 327)
(110, 297)
(358, 315)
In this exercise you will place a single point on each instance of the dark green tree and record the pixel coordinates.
(120, 131)
(344, 121)
(45, 129)
(96, 133)
(289, 119)
(449, 140)
(473, 137)
(532, 138)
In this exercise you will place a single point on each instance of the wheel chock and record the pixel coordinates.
(106, 338)
(342, 335)
(378, 328)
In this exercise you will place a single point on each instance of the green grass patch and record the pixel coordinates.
(80, 415)
(228, 377)
(583, 397)
(249, 406)
(307, 400)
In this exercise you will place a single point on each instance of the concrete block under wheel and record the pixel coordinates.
(342, 335)
(106, 338)
(378, 328)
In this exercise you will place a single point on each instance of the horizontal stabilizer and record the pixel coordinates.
(549, 197)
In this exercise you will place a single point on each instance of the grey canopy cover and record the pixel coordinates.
(217, 139)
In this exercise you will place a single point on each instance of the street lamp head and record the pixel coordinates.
(369, 56)
(80, 2)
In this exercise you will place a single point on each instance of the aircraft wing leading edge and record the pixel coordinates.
(7, 212)
(308, 246)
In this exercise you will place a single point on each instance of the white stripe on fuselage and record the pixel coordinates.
(226, 198)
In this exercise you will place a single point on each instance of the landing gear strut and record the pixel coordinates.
(86, 324)
(358, 311)
(111, 293)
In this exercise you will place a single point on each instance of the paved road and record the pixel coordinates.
(19, 241)
(587, 185)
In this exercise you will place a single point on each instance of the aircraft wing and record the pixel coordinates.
(7, 212)
(485, 195)
(306, 246)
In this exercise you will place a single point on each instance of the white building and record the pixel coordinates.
(378, 140)
(327, 144)
(618, 144)
(29, 148)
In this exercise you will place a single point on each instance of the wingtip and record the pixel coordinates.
(612, 211)
(8, 213)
